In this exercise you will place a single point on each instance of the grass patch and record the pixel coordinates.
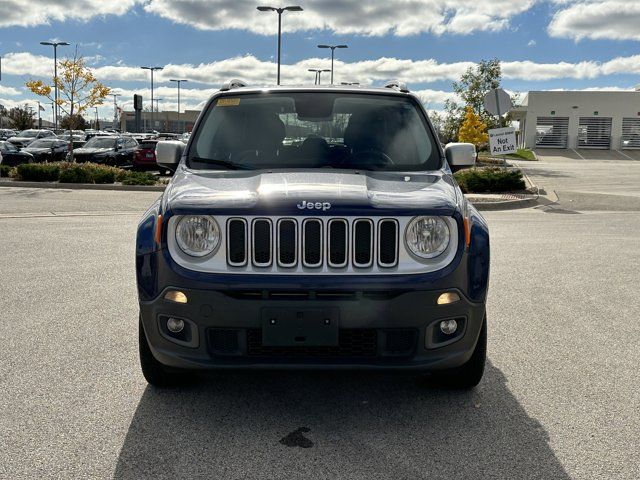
(489, 180)
(523, 154)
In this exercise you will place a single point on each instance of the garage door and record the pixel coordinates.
(552, 132)
(594, 132)
(630, 133)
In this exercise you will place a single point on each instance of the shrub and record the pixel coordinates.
(102, 173)
(5, 171)
(482, 180)
(38, 172)
(139, 178)
(75, 174)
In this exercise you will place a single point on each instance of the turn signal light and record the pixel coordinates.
(175, 296)
(448, 297)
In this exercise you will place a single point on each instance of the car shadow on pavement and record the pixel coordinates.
(267, 424)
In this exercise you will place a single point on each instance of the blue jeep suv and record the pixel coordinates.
(313, 227)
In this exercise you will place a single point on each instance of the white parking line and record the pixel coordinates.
(576, 152)
(625, 155)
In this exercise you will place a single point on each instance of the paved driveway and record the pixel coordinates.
(560, 398)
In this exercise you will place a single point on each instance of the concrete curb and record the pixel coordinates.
(83, 186)
(506, 204)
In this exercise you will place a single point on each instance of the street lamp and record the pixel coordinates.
(158, 100)
(55, 77)
(293, 8)
(333, 49)
(151, 69)
(178, 81)
(115, 109)
(318, 72)
(96, 117)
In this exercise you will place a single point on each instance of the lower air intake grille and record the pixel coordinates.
(224, 341)
(400, 342)
(358, 342)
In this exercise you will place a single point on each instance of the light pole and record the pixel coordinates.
(55, 78)
(151, 69)
(179, 81)
(115, 109)
(319, 72)
(293, 8)
(96, 117)
(333, 49)
(158, 100)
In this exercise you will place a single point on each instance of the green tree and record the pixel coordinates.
(472, 87)
(473, 129)
(21, 118)
(77, 123)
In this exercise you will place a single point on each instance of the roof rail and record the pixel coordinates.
(397, 85)
(235, 83)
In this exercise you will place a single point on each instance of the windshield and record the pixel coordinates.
(101, 142)
(314, 130)
(43, 143)
(28, 133)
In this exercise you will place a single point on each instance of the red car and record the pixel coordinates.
(144, 157)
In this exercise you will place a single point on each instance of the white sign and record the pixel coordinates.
(502, 141)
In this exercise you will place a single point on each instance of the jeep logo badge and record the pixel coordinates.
(304, 205)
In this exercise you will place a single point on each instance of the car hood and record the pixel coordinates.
(91, 151)
(290, 192)
(20, 139)
(37, 150)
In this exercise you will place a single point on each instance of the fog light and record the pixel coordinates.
(175, 325)
(448, 327)
(448, 297)
(176, 296)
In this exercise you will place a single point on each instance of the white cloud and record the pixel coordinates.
(37, 12)
(9, 90)
(532, 43)
(373, 17)
(597, 19)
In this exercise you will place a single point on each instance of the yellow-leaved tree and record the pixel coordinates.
(78, 89)
(473, 129)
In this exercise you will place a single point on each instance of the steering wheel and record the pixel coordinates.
(370, 156)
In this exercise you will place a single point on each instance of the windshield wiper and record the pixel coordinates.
(222, 163)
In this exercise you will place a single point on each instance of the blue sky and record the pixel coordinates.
(570, 44)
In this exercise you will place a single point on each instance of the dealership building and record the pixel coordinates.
(163, 121)
(579, 119)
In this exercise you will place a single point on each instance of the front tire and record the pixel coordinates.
(469, 374)
(154, 372)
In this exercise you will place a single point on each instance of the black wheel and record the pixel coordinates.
(154, 372)
(468, 375)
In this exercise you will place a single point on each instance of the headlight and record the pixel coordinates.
(427, 237)
(197, 235)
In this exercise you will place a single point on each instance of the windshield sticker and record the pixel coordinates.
(228, 102)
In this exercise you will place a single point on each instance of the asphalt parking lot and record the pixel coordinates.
(559, 400)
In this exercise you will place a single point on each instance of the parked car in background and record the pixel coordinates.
(25, 137)
(184, 138)
(7, 133)
(144, 158)
(114, 150)
(48, 149)
(12, 156)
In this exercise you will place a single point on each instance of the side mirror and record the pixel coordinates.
(460, 155)
(168, 153)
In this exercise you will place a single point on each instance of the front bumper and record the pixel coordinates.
(378, 330)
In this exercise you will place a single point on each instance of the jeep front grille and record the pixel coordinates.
(322, 245)
(356, 243)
